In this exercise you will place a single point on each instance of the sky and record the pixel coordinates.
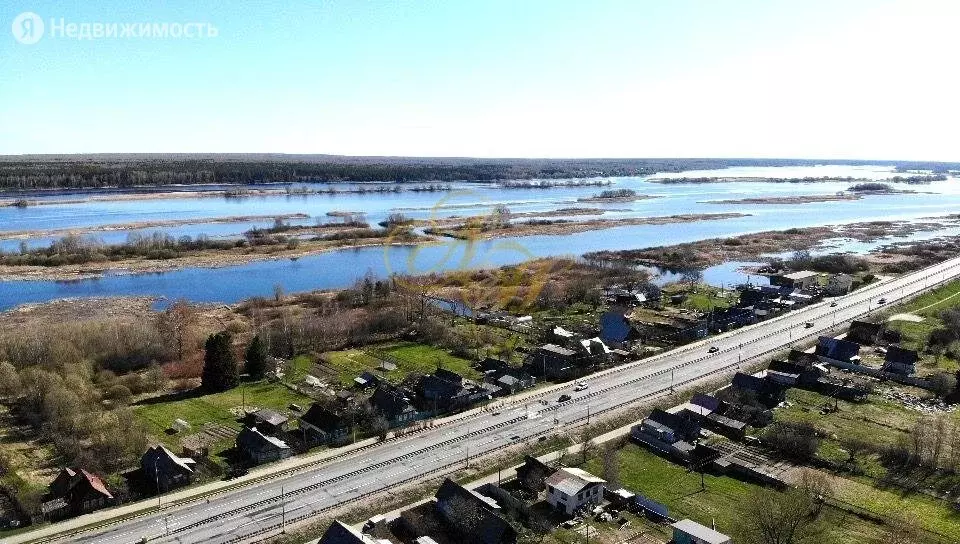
(827, 79)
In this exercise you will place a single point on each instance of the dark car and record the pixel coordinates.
(882, 301)
(713, 349)
(809, 324)
(833, 304)
(564, 398)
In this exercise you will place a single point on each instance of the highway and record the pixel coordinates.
(253, 512)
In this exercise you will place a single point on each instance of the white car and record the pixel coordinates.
(581, 386)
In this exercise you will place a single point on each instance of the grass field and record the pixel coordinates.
(411, 357)
(878, 422)
(672, 485)
(928, 306)
(215, 408)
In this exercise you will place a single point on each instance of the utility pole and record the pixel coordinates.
(671, 380)
(156, 475)
(283, 511)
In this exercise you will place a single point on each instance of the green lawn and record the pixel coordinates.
(928, 306)
(877, 422)
(672, 485)
(411, 357)
(215, 408)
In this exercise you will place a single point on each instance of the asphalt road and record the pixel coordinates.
(244, 514)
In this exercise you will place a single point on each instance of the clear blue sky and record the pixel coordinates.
(825, 79)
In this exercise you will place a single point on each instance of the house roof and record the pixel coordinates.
(366, 378)
(801, 275)
(701, 532)
(834, 348)
(448, 375)
(75, 476)
(707, 401)
(152, 455)
(571, 481)
(341, 533)
(322, 418)
(592, 344)
(896, 354)
(787, 367)
(614, 326)
(96, 483)
(251, 437)
(509, 380)
(449, 489)
(553, 348)
(391, 401)
(863, 331)
(651, 506)
(272, 417)
(560, 331)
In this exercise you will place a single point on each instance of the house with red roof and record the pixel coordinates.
(74, 492)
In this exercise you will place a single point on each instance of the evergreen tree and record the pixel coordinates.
(219, 365)
(256, 358)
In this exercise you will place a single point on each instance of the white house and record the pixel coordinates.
(570, 488)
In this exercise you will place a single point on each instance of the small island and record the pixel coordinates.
(616, 195)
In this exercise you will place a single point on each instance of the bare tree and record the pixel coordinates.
(9, 379)
(818, 486)
(611, 465)
(774, 517)
(177, 325)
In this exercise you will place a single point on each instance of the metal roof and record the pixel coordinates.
(701, 532)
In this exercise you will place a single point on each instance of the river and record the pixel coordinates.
(343, 267)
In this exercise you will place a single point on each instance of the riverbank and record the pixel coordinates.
(139, 225)
(800, 199)
(756, 246)
(239, 192)
(211, 258)
(489, 230)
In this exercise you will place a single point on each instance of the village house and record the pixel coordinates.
(268, 421)
(803, 279)
(839, 284)
(166, 469)
(766, 390)
(900, 361)
(74, 492)
(834, 350)
(533, 473)
(446, 391)
(394, 404)
(569, 489)
(320, 425)
(668, 433)
(476, 518)
(260, 448)
(553, 362)
(864, 332)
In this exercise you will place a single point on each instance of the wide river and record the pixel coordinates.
(343, 267)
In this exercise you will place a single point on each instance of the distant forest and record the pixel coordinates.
(38, 172)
